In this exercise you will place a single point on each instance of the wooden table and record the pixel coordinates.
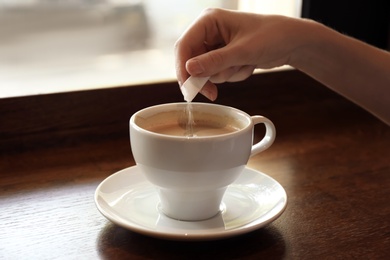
(332, 158)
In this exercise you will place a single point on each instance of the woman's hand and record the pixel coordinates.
(228, 45)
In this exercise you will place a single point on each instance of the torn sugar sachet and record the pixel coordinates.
(192, 86)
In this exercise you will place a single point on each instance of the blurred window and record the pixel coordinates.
(51, 46)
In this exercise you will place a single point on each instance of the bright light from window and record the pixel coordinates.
(49, 46)
(284, 7)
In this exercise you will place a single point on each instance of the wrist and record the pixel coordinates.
(309, 39)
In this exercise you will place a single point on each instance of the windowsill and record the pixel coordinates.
(105, 72)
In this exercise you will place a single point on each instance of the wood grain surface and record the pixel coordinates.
(332, 158)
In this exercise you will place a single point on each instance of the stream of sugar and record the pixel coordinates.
(190, 120)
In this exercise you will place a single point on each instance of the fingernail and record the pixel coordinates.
(208, 94)
(194, 67)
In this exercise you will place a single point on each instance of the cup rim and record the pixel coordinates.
(135, 126)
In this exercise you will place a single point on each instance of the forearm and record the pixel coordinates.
(352, 68)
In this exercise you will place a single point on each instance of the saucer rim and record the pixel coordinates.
(135, 227)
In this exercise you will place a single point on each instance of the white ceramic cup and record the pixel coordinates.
(192, 173)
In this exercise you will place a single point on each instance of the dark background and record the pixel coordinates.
(367, 20)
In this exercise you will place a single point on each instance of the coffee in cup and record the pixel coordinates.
(176, 123)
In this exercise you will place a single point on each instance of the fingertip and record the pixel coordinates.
(210, 91)
(194, 67)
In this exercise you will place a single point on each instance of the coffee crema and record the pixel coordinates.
(203, 129)
(176, 124)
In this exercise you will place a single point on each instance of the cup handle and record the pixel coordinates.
(269, 137)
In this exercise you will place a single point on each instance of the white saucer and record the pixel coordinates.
(129, 200)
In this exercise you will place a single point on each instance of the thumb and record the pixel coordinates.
(209, 63)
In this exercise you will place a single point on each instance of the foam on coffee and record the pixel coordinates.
(175, 123)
